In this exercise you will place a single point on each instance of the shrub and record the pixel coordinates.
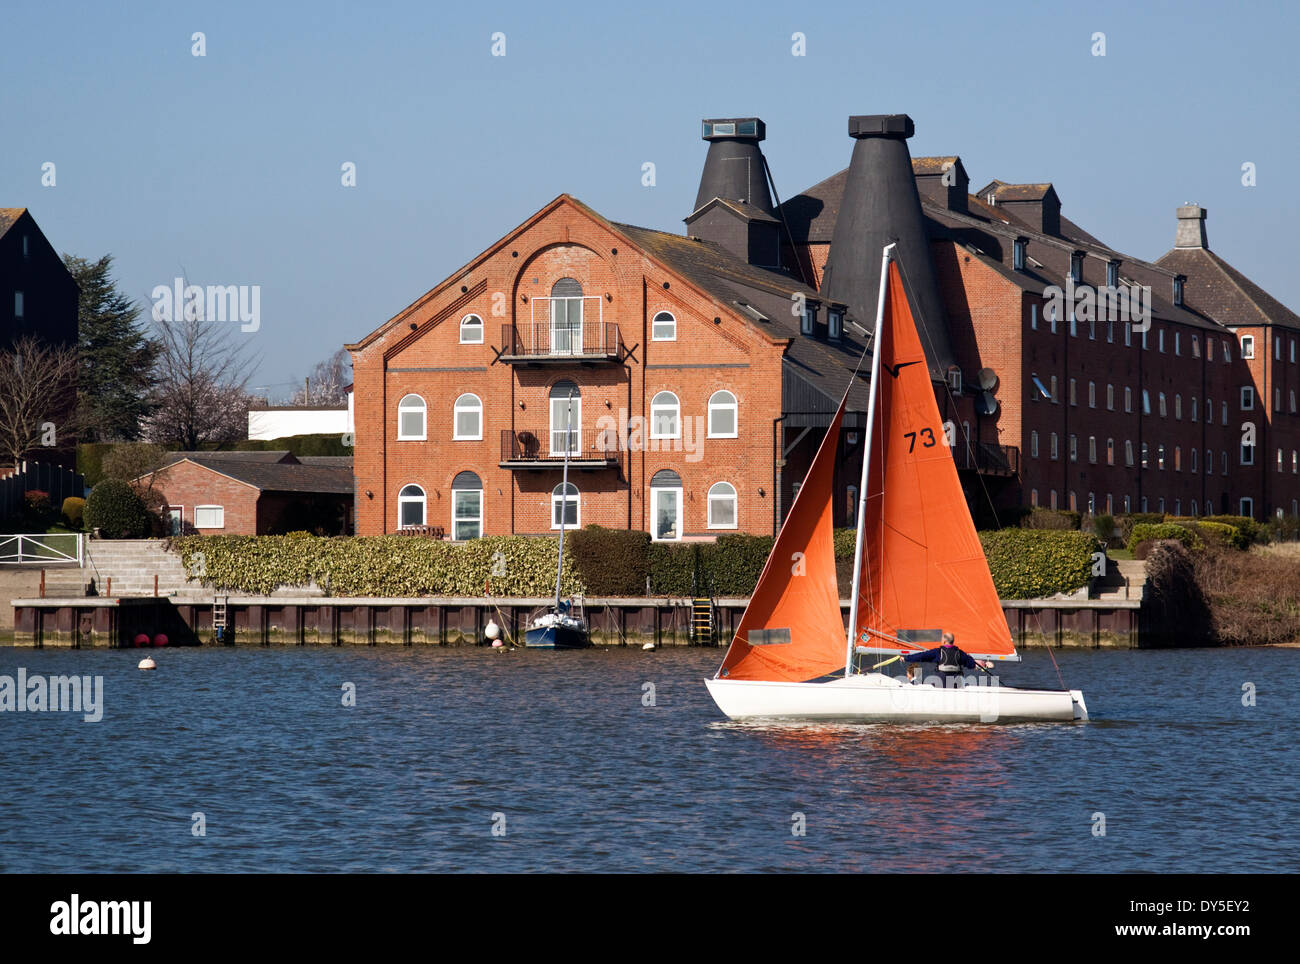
(402, 566)
(1284, 527)
(1147, 532)
(116, 510)
(74, 510)
(610, 562)
(1028, 564)
(1254, 597)
(845, 542)
(1127, 521)
(1040, 518)
(1103, 526)
(1175, 607)
(1254, 531)
(38, 512)
(733, 564)
(1222, 534)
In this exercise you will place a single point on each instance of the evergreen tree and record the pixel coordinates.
(117, 357)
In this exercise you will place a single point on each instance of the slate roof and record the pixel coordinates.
(1219, 290)
(321, 475)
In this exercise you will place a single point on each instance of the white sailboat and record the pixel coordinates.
(919, 571)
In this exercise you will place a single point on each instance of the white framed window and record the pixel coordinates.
(1178, 407)
(1247, 346)
(666, 506)
(411, 419)
(722, 506)
(665, 416)
(1033, 316)
(466, 507)
(1052, 318)
(1247, 507)
(1293, 401)
(1128, 451)
(566, 505)
(1160, 457)
(566, 419)
(1146, 456)
(1247, 398)
(1247, 454)
(664, 327)
(1128, 503)
(1110, 451)
(209, 517)
(1277, 348)
(1074, 448)
(1092, 394)
(1209, 405)
(1164, 410)
(1074, 393)
(1178, 343)
(1196, 412)
(1052, 498)
(1227, 350)
(1209, 461)
(1128, 400)
(1053, 447)
(1146, 401)
(722, 415)
(1196, 346)
(471, 330)
(410, 506)
(1128, 334)
(1092, 449)
(1224, 409)
(1033, 497)
(1192, 454)
(1033, 444)
(1053, 395)
(809, 317)
(834, 323)
(1110, 398)
(467, 419)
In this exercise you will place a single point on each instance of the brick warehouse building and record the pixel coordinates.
(700, 370)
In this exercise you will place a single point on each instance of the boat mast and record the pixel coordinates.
(886, 256)
(564, 493)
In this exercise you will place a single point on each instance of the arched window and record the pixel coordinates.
(722, 506)
(1209, 461)
(410, 419)
(566, 419)
(665, 506)
(1192, 454)
(565, 506)
(665, 416)
(410, 506)
(566, 317)
(722, 415)
(468, 422)
(471, 330)
(466, 506)
(664, 327)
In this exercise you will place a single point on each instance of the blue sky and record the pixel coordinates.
(227, 167)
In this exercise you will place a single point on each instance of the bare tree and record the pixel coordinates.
(38, 392)
(327, 381)
(201, 395)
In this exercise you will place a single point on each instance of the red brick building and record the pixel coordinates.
(698, 371)
(255, 493)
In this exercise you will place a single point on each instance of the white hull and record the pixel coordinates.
(877, 698)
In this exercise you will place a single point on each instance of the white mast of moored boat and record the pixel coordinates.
(564, 492)
(886, 256)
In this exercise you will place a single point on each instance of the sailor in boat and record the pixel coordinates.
(951, 660)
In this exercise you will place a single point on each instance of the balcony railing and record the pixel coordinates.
(530, 449)
(988, 457)
(542, 341)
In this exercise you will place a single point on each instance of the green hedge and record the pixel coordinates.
(377, 565)
(1057, 519)
(609, 562)
(1125, 522)
(1253, 531)
(1149, 532)
(1223, 534)
(1029, 563)
(729, 567)
(321, 444)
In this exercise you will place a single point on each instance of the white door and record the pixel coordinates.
(175, 519)
(666, 508)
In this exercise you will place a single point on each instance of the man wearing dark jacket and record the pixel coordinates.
(951, 660)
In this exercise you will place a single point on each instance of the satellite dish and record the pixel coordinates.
(987, 379)
(986, 404)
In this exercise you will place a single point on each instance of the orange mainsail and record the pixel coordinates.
(797, 591)
(922, 564)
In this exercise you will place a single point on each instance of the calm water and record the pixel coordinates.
(587, 778)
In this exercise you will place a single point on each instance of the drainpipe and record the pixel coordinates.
(778, 457)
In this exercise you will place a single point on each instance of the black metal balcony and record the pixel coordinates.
(529, 449)
(539, 343)
(988, 458)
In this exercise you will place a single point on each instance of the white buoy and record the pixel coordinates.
(497, 644)
(148, 663)
(648, 646)
(491, 630)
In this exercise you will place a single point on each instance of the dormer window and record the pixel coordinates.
(809, 318)
(1018, 253)
(1076, 267)
(1178, 290)
(1112, 274)
(835, 323)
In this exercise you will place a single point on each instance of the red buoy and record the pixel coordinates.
(141, 639)
(160, 640)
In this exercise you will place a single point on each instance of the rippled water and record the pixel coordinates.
(586, 777)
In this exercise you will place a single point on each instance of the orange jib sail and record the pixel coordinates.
(793, 628)
(923, 567)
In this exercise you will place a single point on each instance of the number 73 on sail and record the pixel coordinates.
(919, 572)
